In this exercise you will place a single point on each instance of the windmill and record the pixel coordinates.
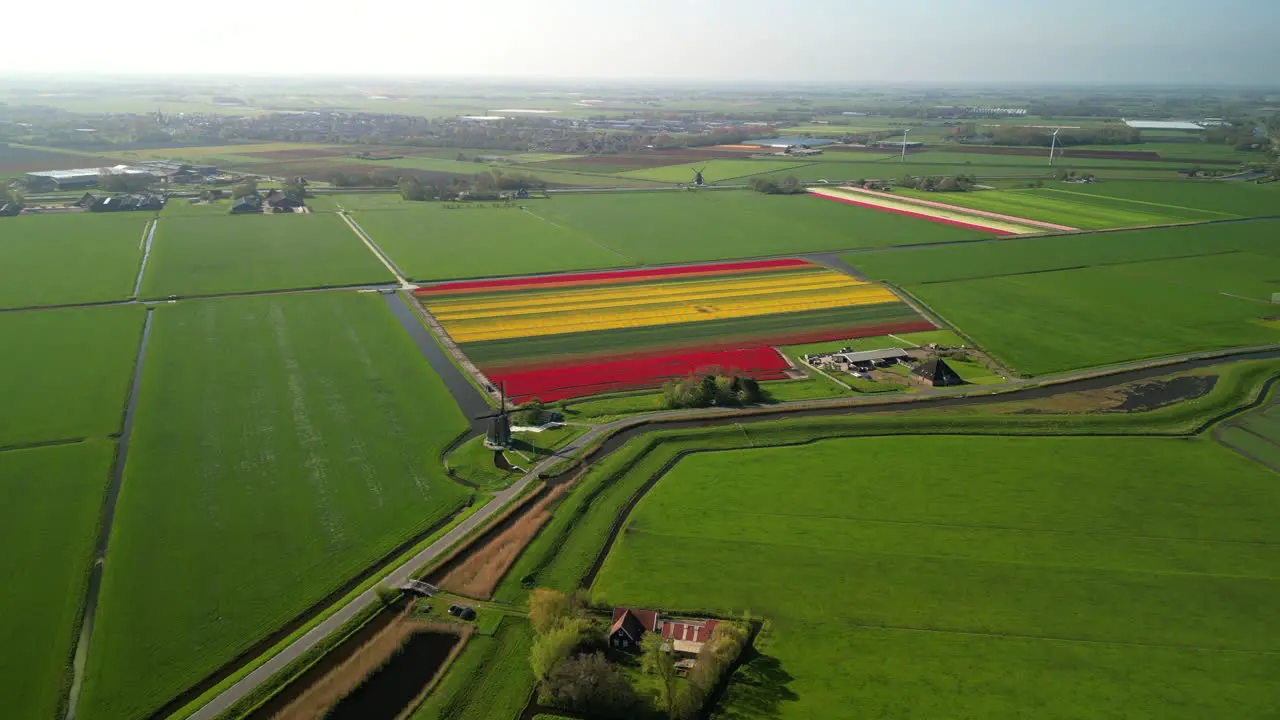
(498, 435)
(697, 176)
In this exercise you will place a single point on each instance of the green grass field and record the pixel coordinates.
(714, 171)
(430, 242)
(283, 444)
(1052, 304)
(1059, 204)
(489, 680)
(71, 258)
(671, 227)
(48, 524)
(1241, 199)
(223, 255)
(71, 375)
(983, 577)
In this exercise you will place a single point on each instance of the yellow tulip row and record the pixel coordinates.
(555, 298)
(645, 295)
(664, 313)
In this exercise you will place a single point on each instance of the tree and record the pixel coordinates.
(295, 188)
(14, 196)
(247, 187)
(386, 594)
(557, 644)
(548, 608)
(411, 188)
(660, 662)
(590, 685)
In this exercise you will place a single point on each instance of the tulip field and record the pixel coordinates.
(563, 336)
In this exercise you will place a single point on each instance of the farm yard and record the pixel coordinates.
(225, 254)
(1047, 305)
(553, 337)
(69, 258)
(283, 444)
(1173, 596)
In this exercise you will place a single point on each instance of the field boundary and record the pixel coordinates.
(80, 652)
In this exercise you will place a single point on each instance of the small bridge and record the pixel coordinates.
(420, 588)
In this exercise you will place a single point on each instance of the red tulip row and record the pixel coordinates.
(569, 380)
(606, 278)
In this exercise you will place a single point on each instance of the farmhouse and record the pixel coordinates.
(783, 143)
(247, 204)
(115, 203)
(937, 373)
(278, 201)
(684, 636)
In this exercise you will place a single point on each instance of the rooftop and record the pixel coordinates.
(1162, 125)
(873, 355)
(789, 141)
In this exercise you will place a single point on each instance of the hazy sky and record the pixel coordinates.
(952, 41)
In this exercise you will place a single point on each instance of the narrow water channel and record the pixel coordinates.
(387, 693)
(468, 398)
(104, 527)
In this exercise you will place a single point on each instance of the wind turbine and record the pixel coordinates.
(1053, 145)
(904, 145)
(697, 175)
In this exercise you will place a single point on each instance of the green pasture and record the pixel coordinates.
(234, 254)
(180, 208)
(1219, 197)
(1063, 207)
(1047, 305)
(489, 680)
(283, 444)
(564, 551)
(985, 167)
(714, 171)
(429, 241)
(360, 201)
(48, 525)
(691, 226)
(69, 258)
(67, 373)
(986, 576)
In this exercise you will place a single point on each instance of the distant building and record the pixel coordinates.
(1163, 125)
(247, 204)
(789, 142)
(118, 203)
(279, 201)
(898, 144)
(85, 177)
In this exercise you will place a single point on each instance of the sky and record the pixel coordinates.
(969, 42)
